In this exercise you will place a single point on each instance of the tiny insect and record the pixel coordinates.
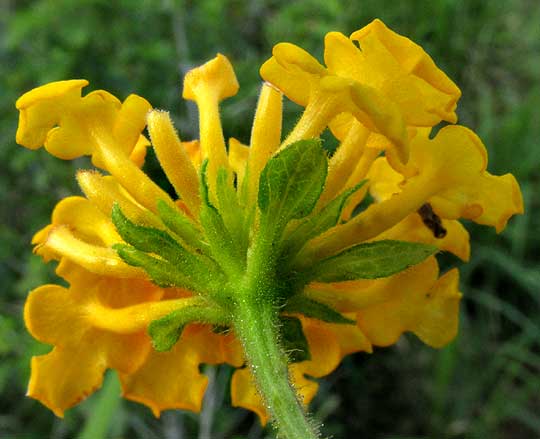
(432, 221)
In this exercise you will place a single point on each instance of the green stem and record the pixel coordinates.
(256, 325)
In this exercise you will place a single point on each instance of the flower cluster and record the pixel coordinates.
(145, 268)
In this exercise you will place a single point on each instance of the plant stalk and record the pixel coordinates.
(256, 324)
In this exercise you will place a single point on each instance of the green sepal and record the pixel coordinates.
(203, 184)
(300, 304)
(319, 223)
(166, 331)
(369, 261)
(162, 272)
(230, 209)
(180, 225)
(147, 239)
(222, 245)
(293, 339)
(292, 181)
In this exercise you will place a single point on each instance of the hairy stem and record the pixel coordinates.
(256, 325)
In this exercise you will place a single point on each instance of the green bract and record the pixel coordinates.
(318, 223)
(166, 331)
(370, 261)
(292, 182)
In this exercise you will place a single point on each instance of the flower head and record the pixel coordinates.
(268, 240)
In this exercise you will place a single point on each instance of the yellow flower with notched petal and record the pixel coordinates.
(380, 100)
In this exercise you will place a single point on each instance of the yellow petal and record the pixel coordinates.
(384, 115)
(457, 160)
(97, 259)
(323, 346)
(49, 314)
(358, 175)
(438, 324)
(295, 85)
(328, 344)
(265, 135)
(61, 379)
(38, 239)
(73, 273)
(383, 180)
(130, 122)
(174, 159)
(67, 375)
(138, 154)
(429, 309)
(214, 348)
(41, 109)
(85, 220)
(172, 380)
(350, 338)
(491, 200)
(295, 58)
(244, 394)
(238, 159)
(298, 75)
(301, 78)
(341, 125)
(73, 137)
(97, 125)
(123, 352)
(62, 317)
(403, 70)
(216, 75)
(344, 161)
(342, 57)
(82, 352)
(207, 85)
(133, 179)
(193, 149)
(104, 191)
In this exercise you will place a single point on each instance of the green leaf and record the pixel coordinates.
(166, 331)
(292, 182)
(370, 261)
(315, 225)
(293, 339)
(180, 225)
(230, 209)
(222, 246)
(162, 272)
(159, 242)
(146, 239)
(300, 304)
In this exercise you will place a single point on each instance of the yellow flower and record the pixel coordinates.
(380, 100)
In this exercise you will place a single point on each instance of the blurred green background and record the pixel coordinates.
(485, 384)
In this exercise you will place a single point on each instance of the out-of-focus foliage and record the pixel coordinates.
(483, 385)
